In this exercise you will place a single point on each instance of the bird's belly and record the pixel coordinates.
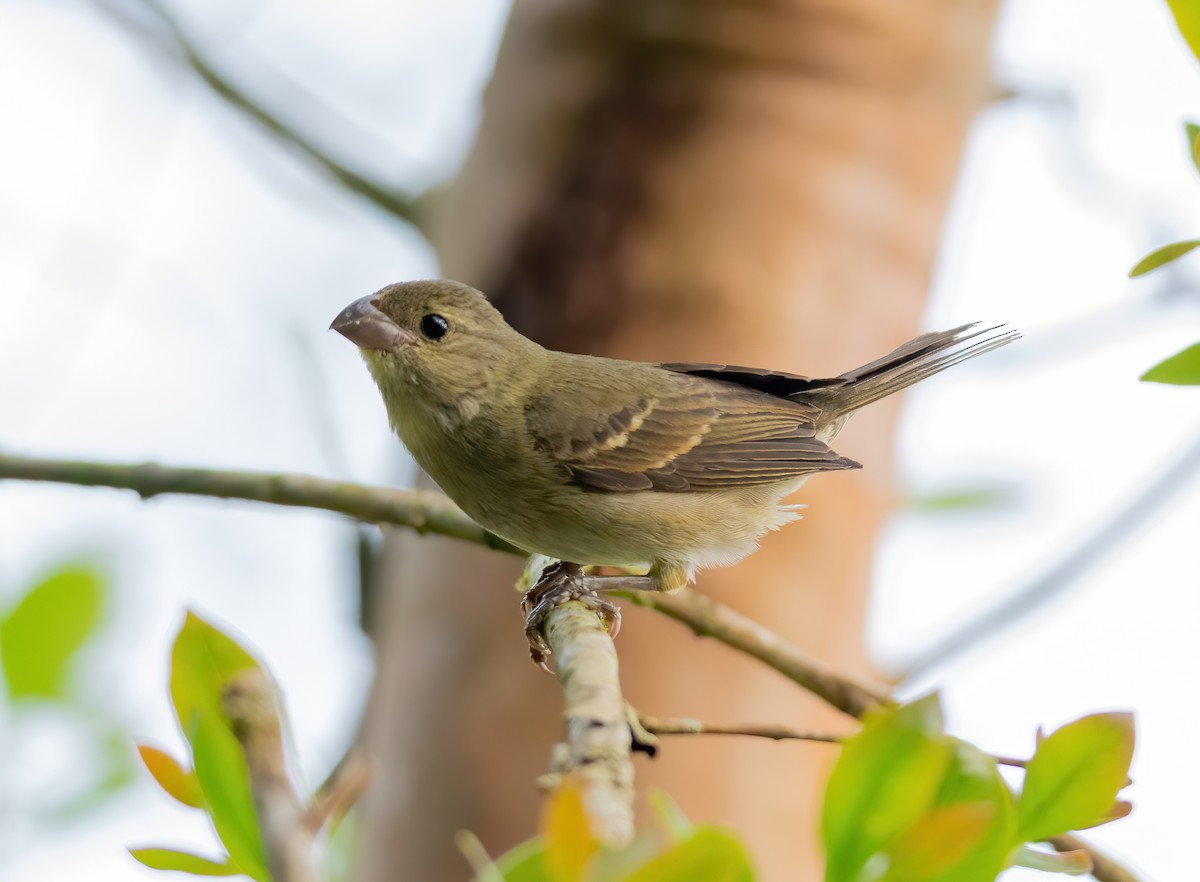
(640, 528)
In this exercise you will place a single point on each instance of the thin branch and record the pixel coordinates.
(1076, 562)
(428, 512)
(400, 205)
(340, 791)
(420, 510)
(598, 745)
(708, 618)
(1104, 868)
(688, 726)
(249, 702)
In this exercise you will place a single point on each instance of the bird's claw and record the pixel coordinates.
(557, 584)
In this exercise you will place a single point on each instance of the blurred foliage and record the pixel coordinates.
(204, 661)
(907, 802)
(674, 850)
(1187, 18)
(43, 636)
(972, 498)
(1183, 368)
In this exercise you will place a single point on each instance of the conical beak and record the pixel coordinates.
(365, 325)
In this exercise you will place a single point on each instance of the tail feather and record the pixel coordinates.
(916, 360)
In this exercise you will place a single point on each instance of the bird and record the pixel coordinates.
(659, 469)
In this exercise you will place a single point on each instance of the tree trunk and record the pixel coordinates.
(748, 183)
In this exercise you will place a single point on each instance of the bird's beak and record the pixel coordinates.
(365, 325)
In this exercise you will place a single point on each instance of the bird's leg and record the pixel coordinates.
(557, 584)
(620, 582)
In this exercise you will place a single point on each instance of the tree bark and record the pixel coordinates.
(755, 183)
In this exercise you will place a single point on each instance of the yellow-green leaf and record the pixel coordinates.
(1187, 19)
(41, 634)
(183, 862)
(1162, 256)
(1181, 369)
(525, 862)
(709, 854)
(568, 839)
(1192, 131)
(171, 776)
(203, 662)
(885, 780)
(1073, 780)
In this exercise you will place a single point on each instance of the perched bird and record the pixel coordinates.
(667, 467)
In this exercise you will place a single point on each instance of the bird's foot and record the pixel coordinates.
(559, 583)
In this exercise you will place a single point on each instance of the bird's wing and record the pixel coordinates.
(688, 435)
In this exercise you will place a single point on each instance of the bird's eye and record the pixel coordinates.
(434, 326)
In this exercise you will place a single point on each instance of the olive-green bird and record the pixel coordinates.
(668, 467)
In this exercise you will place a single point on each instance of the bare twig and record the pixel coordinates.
(1104, 868)
(598, 738)
(340, 791)
(420, 510)
(688, 726)
(711, 619)
(400, 205)
(249, 702)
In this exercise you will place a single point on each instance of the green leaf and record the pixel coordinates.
(171, 776)
(203, 662)
(1073, 780)
(1181, 369)
(885, 779)
(41, 634)
(183, 862)
(1193, 142)
(1187, 19)
(225, 783)
(525, 863)
(972, 779)
(710, 854)
(1162, 256)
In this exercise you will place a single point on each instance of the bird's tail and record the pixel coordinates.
(916, 360)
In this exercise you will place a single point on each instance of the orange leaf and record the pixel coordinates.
(178, 782)
(567, 836)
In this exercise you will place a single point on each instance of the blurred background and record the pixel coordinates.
(189, 194)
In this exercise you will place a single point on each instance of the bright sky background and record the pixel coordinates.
(167, 273)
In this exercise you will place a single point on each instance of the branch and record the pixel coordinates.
(428, 512)
(420, 510)
(688, 726)
(398, 204)
(707, 618)
(249, 702)
(598, 745)
(1104, 868)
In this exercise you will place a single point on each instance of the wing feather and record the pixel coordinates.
(692, 434)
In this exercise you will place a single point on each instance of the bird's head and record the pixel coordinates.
(437, 339)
